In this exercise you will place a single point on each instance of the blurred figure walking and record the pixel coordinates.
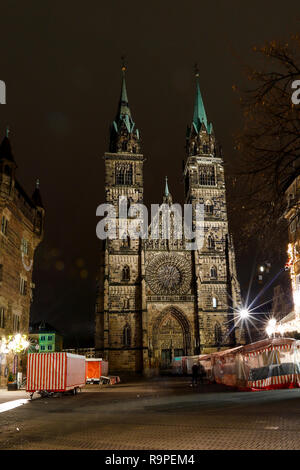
(195, 372)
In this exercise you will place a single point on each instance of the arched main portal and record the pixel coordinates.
(171, 336)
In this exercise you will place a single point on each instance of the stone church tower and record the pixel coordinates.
(156, 299)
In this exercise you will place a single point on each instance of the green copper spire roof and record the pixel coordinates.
(123, 104)
(123, 114)
(199, 110)
(167, 192)
(167, 198)
(124, 136)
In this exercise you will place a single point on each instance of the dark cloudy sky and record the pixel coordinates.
(61, 64)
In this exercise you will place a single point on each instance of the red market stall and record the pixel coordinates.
(271, 364)
(225, 366)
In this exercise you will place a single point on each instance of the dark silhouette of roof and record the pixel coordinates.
(5, 150)
(42, 327)
(36, 196)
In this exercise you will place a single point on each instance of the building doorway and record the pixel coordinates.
(169, 339)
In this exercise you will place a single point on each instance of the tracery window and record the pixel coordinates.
(126, 273)
(207, 175)
(209, 208)
(213, 272)
(210, 242)
(124, 174)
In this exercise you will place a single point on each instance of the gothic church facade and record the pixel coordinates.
(156, 299)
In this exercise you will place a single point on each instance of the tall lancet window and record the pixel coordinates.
(127, 336)
(128, 174)
(218, 334)
(124, 174)
(126, 273)
(213, 272)
(207, 175)
(210, 243)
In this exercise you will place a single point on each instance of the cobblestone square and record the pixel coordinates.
(158, 414)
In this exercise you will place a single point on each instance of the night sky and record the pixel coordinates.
(61, 64)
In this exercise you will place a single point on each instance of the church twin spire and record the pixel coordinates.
(124, 136)
(200, 139)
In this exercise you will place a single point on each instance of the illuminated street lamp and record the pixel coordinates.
(280, 329)
(18, 343)
(271, 327)
(15, 344)
(244, 313)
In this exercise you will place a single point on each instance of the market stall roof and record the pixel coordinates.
(266, 343)
(228, 351)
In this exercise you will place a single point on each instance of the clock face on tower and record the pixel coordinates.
(168, 274)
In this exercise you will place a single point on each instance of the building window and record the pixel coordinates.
(205, 148)
(207, 176)
(43, 338)
(49, 338)
(124, 174)
(126, 273)
(218, 334)
(214, 302)
(127, 336)
(4, 225)
(24, 246)
(211, 242)
(23, 286)
(49, 347)
(2, 317)
(209, 208)
(43, 347)
(126, 242)
(213, 273)
(16, 323)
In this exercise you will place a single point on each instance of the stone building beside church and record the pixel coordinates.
(22, 226)
(155, 298)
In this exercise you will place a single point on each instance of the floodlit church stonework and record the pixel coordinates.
(156, 299)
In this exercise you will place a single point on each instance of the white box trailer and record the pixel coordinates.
(55, 372)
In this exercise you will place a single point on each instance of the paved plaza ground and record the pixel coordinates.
(163, 413)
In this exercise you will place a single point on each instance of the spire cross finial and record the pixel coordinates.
(37, 183)
(196, 68)
(123, 58)
(7, 131)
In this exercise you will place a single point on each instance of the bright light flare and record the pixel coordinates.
(271, 327)
(272, 323)
(296, 296)
(280, 329)
(244, 313)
